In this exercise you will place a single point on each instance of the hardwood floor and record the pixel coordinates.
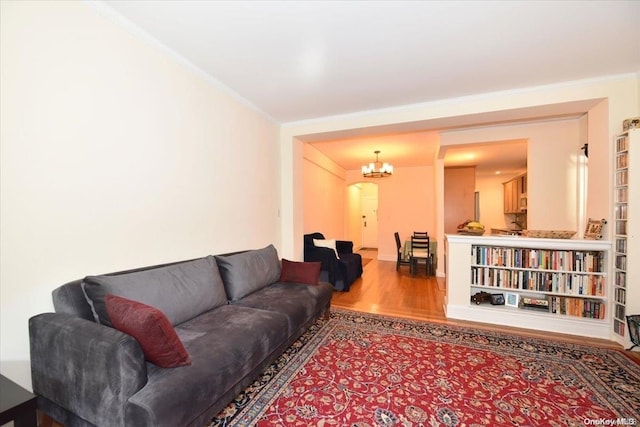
(383, 290)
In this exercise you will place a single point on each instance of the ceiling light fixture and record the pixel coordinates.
(377, 169)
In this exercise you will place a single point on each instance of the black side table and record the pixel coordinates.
(17, 405)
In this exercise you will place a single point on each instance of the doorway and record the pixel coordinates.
(362, 214)
(370, 221)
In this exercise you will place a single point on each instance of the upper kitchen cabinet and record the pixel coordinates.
(515, 195)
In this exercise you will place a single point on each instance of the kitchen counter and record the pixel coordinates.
(505, 232)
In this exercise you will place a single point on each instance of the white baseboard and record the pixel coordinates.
(519, 318)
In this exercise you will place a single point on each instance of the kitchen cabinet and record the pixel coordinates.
(515, 195)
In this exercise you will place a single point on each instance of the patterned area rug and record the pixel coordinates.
(365, 370)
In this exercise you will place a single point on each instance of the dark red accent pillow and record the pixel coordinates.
(300, 272)
(159, 341)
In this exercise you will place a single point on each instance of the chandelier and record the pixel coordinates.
(377, 169)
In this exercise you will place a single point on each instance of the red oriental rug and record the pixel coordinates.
(365, 370)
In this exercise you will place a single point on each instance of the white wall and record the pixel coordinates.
(115, 155)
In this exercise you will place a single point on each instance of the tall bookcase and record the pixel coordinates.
(626, 245)
(562, 285)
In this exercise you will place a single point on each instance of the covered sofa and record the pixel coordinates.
(233, 314)
(340, 269)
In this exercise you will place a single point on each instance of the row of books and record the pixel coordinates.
(622, 195)
(562, 260)
(622, 160)
(618, 327)
(621, 261)
(621, 245)
(622, 144)
(621, 279)
(561, 283)
(622, 177)
(578, 307)
(620, 295)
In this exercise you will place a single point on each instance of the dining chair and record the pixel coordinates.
(421, 234)
(420, 252)
(402, 260)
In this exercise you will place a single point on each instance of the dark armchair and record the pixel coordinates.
(340, 272)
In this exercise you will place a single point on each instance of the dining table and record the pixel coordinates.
(433, 250)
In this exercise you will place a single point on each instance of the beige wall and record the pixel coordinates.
(405, 204)
(492, 201)
(324, 195)
(115, 155)
(459, 196)
(355, 192)
(600, 179)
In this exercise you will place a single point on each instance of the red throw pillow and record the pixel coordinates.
(159, 341)
(300, 272)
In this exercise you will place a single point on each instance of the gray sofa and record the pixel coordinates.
(231, 312)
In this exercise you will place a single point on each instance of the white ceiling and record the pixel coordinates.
(297, 60)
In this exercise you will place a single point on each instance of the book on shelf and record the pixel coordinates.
(541, 304)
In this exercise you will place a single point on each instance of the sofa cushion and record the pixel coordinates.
(222, 353)
(297, 301)
(181, 291)
(151, 328)
(300, 272)
(246, 272)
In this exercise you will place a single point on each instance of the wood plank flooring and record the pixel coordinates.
(383, 290)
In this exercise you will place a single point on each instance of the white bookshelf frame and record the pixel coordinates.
(459, 287)
(631, 233)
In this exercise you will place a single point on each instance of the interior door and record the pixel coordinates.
(370, 222)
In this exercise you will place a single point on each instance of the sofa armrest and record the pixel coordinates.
(86, 368)
(344, 246)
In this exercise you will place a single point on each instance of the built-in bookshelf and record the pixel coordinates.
(560, 282)
(626, 245)
(620, 248)
(558, 285)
